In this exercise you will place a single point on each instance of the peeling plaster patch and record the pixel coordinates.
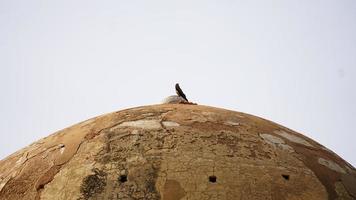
(22, 159)
(293, 138)
(331, 165)
(62, 150)
(13, 171)
(12, 174)
(277, 142)
(272, 139)
(146, 124)
(61, 188)
(232, 123)
(4, 181)
(170, 124)
(2, 185)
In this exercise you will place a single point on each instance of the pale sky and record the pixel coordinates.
(292, 62)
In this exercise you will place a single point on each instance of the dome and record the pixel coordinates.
(176, 152)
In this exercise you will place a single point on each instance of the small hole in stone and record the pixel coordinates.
(123, 178)
(285, 176)
(212, 179)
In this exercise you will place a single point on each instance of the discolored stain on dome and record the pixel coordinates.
(176, 152)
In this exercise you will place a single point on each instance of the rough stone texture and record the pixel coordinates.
(330, 164)
(176, 152)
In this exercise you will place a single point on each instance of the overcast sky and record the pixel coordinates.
(292, 62)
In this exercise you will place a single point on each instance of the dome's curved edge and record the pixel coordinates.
(55, 150)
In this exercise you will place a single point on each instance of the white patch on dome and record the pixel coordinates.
(232, 123)
(170, 124)
(146, 124)
(276, 142)
(331, 165)
(293, 138)
(62, 148)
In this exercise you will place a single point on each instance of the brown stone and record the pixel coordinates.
(176, 152)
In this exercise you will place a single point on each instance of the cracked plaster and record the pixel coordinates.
(168, 152)
(293, 138)
(331, 165)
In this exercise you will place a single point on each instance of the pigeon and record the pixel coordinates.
(180, 92)
(180, 98)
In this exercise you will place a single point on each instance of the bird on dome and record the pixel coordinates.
(180, 98)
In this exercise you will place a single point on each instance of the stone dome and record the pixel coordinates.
(176, 152)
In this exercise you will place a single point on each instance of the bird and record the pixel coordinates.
(180, 92)
(180, 98)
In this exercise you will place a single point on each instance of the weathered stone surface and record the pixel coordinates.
(331, 165)
(176, 152)
(293, 138)
(276, 141)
